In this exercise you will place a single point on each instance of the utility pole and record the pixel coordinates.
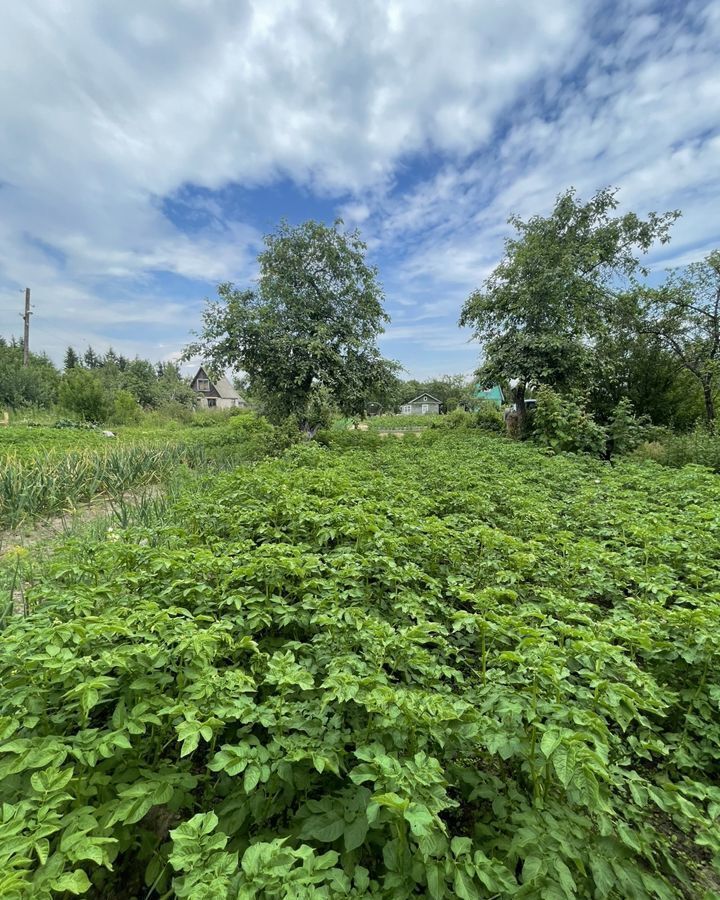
(26, 336)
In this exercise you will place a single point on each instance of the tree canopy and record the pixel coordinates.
(684, 315)
(21, 386)
(309, 331)
(553, 291)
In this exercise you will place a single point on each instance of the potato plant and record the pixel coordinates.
(448, 667)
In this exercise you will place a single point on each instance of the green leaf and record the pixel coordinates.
(532, 867)
(251, 777)
(326, 828)
(435, 873)
(75, 882)
(564, 760)
(603, 875)
(420, 819)
(461, 846)
(355, 832)
(464, 886)
(567, 882)
(551, 740)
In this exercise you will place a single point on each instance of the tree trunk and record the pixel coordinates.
(521, 409)
(709, 404)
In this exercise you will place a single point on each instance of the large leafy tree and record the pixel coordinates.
(537, 312)
(684, 314)
(139, 378)
(309, 332)
(633, 365)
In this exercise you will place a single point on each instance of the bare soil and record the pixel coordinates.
(45, 530)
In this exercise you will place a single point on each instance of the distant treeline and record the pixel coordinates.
(93, 386)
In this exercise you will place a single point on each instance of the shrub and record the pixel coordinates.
(625, 430)
(210, 418)
(562, 424)
(349, 439)
(34, 385)
(126, 410)
(398, 422)
(699, 447)
(259, 438)
(172, 411)
(319, 411)
(490, 418)
(83, 393)
(458, 418)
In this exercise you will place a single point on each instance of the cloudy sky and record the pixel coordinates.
(145, 147)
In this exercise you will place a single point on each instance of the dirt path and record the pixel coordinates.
(46, 530)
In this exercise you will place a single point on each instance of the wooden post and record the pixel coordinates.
(26, 336)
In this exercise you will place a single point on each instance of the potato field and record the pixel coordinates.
(444, 666)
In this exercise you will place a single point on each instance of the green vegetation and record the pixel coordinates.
(35, 385)
(307, 337)
(96, 388)
(684, 315)
(454, 666)
(699, 447)
(52, 484)
(47, 471)
(544, 310)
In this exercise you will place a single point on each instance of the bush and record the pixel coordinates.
(700, 447)
(83, 393)
(458, 418)
(172, 411)
(34, 385)
(211, 418)
(625, 430)
(258, 438)
(126, 410)
(562, 424)
(320, 410)
(349, 439)
(398, 422)
(490, 418)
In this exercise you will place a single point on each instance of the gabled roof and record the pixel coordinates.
(225, 390)
(494, 393)
(421, 398)
(200, 371)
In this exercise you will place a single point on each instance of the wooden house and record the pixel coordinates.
(422, 405)
(217, 394)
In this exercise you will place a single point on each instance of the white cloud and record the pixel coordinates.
(645, 116)
(108, 110)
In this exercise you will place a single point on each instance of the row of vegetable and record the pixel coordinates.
(58, 471)
(447, 667)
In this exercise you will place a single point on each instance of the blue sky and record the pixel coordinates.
(146, 147)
